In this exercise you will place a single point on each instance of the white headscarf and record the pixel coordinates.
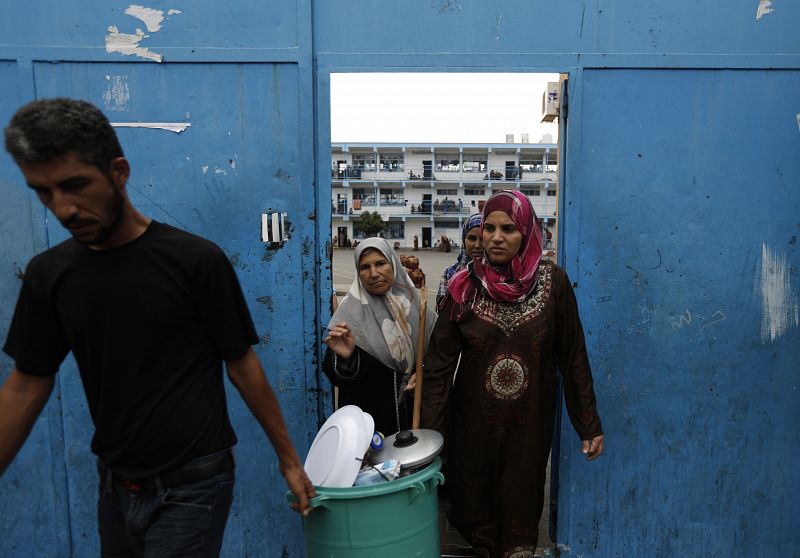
(387, 326)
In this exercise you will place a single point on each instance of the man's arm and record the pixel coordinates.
(22, 398)
(248, 376)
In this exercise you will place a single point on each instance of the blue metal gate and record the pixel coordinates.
(680, 224)
(683, 212)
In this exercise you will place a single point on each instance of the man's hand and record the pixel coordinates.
(248, 376)
(592, 448)
(301, 486)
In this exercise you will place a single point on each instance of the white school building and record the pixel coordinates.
(427, 190)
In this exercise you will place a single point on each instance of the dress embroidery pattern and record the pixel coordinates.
(510, 317)
(507, 377)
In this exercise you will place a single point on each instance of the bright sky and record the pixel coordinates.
(438, 108)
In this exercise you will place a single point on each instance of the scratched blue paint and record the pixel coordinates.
(548, 28)
(669, 222)
(40, 463)
(699, 412)
(65, 24)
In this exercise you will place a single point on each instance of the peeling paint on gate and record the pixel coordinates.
(176, 127)
(764, 8)
(780, 309)
(151, 17)
(128, 43)
(117, 94)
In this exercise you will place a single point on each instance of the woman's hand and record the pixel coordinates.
(592, 448)
(412, 382)
(341, 341)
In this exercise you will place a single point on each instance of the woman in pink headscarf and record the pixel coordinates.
(513, 319)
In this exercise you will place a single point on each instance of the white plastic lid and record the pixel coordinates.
(337, 451)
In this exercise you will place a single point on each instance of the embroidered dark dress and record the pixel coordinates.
(498, 418)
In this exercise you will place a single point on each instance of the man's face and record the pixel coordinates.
(88, 203)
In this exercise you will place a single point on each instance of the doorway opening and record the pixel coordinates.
(423, 152)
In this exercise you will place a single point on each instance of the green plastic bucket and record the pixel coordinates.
(395, 519)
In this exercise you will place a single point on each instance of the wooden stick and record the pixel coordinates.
(423, 310)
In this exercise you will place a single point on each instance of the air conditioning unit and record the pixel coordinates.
(550, 102)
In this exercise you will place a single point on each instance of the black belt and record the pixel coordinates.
(195, 470)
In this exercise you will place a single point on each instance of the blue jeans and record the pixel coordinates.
(186, 520)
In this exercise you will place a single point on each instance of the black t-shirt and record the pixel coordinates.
(149, 324)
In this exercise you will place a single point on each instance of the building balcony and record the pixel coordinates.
(426, 176)
(405, 212)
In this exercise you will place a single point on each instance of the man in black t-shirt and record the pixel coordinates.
(150, 313)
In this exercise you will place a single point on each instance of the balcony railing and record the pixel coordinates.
(406, 211)
(428, 173)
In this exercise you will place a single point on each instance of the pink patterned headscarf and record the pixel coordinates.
(514, 281)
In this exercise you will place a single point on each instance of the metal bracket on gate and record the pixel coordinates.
(274, 227)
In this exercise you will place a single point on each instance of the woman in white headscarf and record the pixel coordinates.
(373, 336)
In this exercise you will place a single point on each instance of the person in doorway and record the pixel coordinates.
(373, 337)
(471, 248)
(513, 319)
(150, 314)
(445, 244)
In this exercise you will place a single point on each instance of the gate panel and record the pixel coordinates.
(236, 157)
(683, 203)
(34, 520)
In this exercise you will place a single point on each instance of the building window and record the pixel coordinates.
(366, 195)
(357, 232)
(364, 161)
(395, 229)
(531, 191)
(475, 163)
(446, 225)
(447, 162)
(446, 192)
(474, 191)
(392, 196)
(531, 165)
(551, 192)
(391, 161)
